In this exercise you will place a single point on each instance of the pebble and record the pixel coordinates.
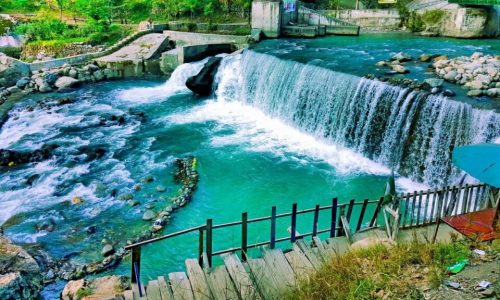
(160, 189)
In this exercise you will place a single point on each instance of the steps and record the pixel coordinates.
(264, 277)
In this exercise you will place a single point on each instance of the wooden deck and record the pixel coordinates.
(264, 277)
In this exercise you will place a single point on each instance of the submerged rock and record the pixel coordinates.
(148, 215)
(107, 250)
(434, 82)
(401, 57)
(201, 83)
(12, 157)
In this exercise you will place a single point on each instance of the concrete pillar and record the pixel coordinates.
(266, 16)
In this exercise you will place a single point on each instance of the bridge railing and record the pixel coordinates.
(414, 209)
(475, 2)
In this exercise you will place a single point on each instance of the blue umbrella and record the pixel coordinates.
(481, 161)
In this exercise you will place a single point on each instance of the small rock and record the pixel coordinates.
(23, 82)
(434, 90)
(441, 57)
(107, 250)
(91, 229)
(148, 215)
(453, 285)
(98, 75)
(399, 69)
(449, 93)
(77, 200)
(73, 73)
(160, 189)
(381, 63)
(425, 58)
(450, 76)
(148, 179)
(487, 293)
(133, 203)
(137, 187)
(401, 57)
(474, 93)
(494, 92)
(126, 197)
(434, 82)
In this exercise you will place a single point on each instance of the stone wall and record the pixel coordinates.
(266, 16)
(368, 19)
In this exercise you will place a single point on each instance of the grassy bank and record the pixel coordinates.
(399, 272)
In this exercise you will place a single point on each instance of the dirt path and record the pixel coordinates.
(468, 279)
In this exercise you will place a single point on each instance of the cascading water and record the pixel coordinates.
(411, 132)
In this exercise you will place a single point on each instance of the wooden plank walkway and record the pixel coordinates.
(265, 277)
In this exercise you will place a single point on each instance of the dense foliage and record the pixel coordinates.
(126, 11)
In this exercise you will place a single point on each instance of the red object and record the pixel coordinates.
(476, 225)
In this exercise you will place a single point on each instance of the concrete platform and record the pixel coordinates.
(146, 47)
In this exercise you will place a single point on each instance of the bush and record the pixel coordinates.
(11, 51)
(433, 16)
(5, 25)
(43, 30)
(415, 23)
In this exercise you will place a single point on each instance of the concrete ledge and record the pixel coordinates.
(299, 31)
(192, 38)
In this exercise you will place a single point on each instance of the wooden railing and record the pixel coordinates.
(426, 207)
(408, 210)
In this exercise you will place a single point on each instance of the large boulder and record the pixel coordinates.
(66, 82)
(20, 276)
(201, 83)
(11, 70)
(106, 287)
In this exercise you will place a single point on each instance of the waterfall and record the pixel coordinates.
(411, 132)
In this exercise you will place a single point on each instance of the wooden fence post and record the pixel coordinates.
(244, 235)
(375, 213)
(136, 268)
(333, 221)
(209, 242)
(294, 223)
(361, 215)
(273, 228)
(315, 221)
(200, 246)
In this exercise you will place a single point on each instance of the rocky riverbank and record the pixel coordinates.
(479, 73)
(20, 276)
(38, 268)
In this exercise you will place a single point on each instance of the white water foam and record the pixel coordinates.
(176, 84)
(262, 133)
(24, 123)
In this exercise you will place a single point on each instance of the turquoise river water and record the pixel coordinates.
(277, 130)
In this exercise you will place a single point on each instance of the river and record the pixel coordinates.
(289, 121)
